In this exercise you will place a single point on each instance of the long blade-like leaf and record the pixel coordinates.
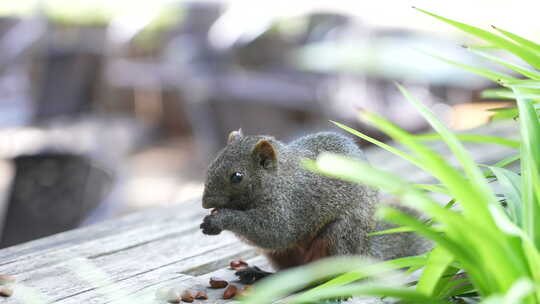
(469, 166)
(405, 295)
(493, 76)
(476, 138)
(439, 261)
(512, 66)
(353, 276)
(530, 160)
(287, 281)
(521, 83)
(511, 186)
(507, 94)
(527, 55)
(533, 46)
(507, 160)
(460, 187)
(415, 161)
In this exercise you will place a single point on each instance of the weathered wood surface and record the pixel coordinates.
(127, 260)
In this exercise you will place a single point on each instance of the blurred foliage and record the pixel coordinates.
(95, 13)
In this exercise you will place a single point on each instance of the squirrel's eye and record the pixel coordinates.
(236, 177)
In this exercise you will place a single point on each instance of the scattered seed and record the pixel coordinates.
(230, 292)
(6, 292)
(238, 264)
(214, 212)
(201, 295)
(216, 282)
(5, 279)
(187, 296)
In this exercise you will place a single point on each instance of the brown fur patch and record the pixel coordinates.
(284, 259)
(300, 254)
(318, 249)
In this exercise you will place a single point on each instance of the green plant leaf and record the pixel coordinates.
(476, 178)
(400, 218)
(521, 83)
(287, 281)
(435, 164)
(524, 53)
(519, 291)
(533, 46)
(512, 66)
(476, 138)
(507, 160)
(530, 160)
(433, 188)
(391, 231)
(433, 277)
(405, 295)
(457, 287)
(510, 183)
(388, 148)
(353, 276)
(504, 113)
(473, 204)
(493, 76)
(507, 94)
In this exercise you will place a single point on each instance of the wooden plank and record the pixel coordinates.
(145, 225)
(81, 280)
(81, 276)
(159, 255)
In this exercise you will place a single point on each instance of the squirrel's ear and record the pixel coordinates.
(265, 154)
(235, 135)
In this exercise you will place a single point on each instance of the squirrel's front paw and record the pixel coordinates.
(250, 275)
(209, 225)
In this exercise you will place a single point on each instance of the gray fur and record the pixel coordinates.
(278, 205)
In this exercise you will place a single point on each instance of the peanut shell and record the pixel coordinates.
(230, 292)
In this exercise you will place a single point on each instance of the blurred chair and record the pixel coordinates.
(51, 193)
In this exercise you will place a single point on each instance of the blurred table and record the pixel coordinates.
(127, 260)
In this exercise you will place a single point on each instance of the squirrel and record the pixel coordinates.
(258, 189)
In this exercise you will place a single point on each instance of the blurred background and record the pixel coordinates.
(109, 107)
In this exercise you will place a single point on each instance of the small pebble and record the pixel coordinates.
(230, 292)
(201, 295)
(171, 295)
(187, 296)
(238, 264)
(216, 282)
(6, 292)
(5, 279)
